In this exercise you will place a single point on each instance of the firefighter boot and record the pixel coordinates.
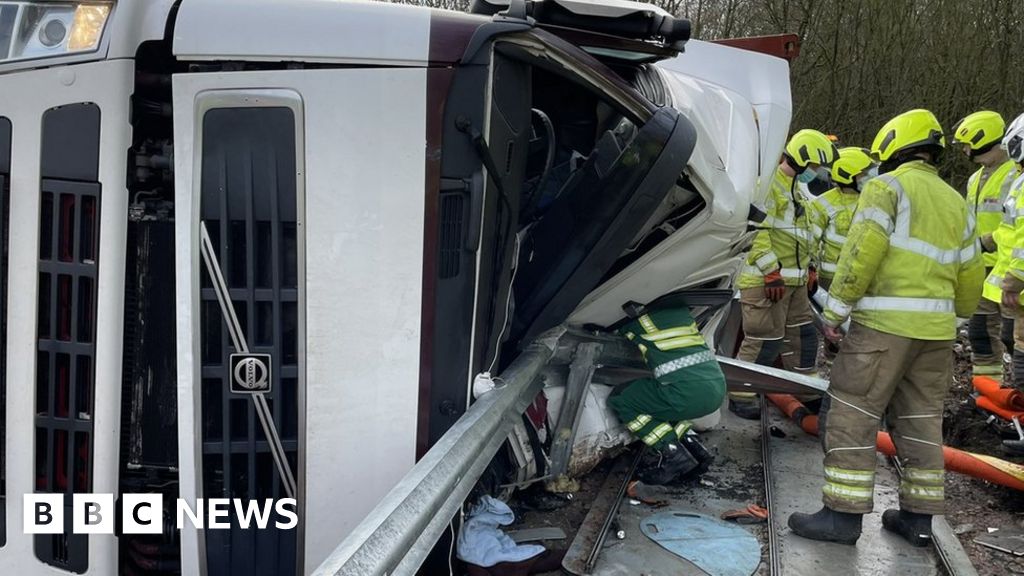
(915, 528)
(674, 462)
(691, 443)
(827, 525)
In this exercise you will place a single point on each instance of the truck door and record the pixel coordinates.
(299, 277)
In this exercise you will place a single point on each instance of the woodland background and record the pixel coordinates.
(863, 61)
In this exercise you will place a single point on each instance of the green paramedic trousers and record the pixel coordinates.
(659, 413)
(902, 381)
(687, 383)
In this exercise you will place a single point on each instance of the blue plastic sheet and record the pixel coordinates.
(715, 546)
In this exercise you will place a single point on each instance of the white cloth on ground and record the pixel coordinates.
(482, 543)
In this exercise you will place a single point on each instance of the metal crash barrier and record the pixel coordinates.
(396, 537)
(398, 534)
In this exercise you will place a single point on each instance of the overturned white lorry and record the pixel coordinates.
(262, 248)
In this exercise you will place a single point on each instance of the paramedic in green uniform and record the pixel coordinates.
(687, 384)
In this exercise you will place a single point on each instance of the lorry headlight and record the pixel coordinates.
(53, 33)
(31, 30)
(87, 27)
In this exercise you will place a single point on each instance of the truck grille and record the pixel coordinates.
(249, 208)
(66, 349)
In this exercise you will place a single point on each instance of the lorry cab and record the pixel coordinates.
(260, 249)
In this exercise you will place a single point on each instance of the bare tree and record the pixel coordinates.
(864, 61)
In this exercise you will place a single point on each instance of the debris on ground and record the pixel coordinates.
(482, 542)
(537, 534)
(963, 529)
(716, 547)
(1008, 540)
(973, 505)
(752, 514)
(647, 494)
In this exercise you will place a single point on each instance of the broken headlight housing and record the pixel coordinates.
(31, 30)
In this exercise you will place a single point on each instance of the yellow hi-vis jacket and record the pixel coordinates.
(986, 193)
(785, 239)
(1013, 218)
(1016, 265)
(832, 214)
(911, 264)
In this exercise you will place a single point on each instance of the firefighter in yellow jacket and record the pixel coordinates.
(1012, 279)
(909, 268)
(773, 284)
(980, 135)
(832, 212)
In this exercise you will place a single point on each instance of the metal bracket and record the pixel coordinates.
(581, 371)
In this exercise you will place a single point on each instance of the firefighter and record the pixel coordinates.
(773, 284)
(1012, 282)
(980, 135)
(910, 267)
(832, 212)
(687, 384)
(822, 184)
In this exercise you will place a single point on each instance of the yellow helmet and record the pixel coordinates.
(852, 162)
(912, 129)
(980, 131)
(811, 147)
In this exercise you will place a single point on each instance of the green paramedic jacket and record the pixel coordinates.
(676, 353)
(911, 264)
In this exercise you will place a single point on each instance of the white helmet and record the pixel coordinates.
(1013, 142)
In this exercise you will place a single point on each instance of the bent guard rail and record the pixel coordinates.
(395, 537)
(398, 534)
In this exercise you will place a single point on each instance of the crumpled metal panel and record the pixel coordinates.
(744, 376)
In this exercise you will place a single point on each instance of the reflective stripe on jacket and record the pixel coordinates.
(986, 194)
(1016, 265)
(911, 264)
(672, 346)
(832, 213)
(784, 240)
(1004, 237)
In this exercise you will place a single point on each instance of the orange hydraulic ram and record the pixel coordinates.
(978, 465)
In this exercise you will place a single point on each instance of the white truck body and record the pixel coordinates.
(343, 115)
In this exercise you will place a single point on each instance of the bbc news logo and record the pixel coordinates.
(143, 513)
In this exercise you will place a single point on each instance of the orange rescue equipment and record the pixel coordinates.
(978, 465)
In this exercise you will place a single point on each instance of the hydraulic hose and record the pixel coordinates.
(988, 468)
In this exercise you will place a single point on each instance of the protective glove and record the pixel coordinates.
(988, 244)
(1012, 287)
(812, 281)
(833, 334)
(774, 286)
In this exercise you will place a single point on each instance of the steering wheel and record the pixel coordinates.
(533, 196)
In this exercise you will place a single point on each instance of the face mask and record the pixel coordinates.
(806, 176)
(823, 173)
